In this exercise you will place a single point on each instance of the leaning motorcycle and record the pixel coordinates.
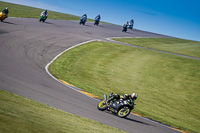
(117, 106)
(96, 22)
(82, 20)
(2, 16)
(130, 26)
(124, 28)
(42, 18)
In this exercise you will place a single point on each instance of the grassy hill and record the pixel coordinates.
(174, 45)
(168, 85)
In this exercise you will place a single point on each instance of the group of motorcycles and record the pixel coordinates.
(84, 19)
(127, 26)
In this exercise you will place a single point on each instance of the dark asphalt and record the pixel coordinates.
(27, 46)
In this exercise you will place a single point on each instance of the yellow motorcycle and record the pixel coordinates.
(2, 16)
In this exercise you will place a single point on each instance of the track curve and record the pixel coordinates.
(26, 46)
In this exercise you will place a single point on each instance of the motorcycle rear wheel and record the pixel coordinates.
(124, 111)
(102, 105)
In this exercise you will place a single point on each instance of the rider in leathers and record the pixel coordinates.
(5, 11)
(98, 17)
(45, 13)
(84, 15)
(130, 98)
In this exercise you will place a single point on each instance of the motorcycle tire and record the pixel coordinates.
(123, 111)
(102, 106)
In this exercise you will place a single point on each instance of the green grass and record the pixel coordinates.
(16, 10)
(168, 85)
(180, 46)
(22, 115)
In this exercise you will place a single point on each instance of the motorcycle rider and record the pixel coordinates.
(125, 27)
(45, 13)
(5, 11)
(125, 24)
(131, 22)
(130, 98)
(84, 16)
(98, 17)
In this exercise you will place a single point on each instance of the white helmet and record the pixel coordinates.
(134, 96)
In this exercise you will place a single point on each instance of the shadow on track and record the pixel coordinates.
(129, 33)
(3, 32)
(88, 25)
(137, 121)
(49, 23)
(8, 22)
(129, 119)
(100, 26)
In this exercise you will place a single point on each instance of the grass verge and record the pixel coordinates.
(16, 10)
(174, 45)
(168, 85)
(22, 115)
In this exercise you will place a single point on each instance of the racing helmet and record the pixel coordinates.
(6, 8)
(134, 96)
(117, 96)
(45, 10)
(125, 96)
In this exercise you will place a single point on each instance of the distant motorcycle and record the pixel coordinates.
(2, 16)
(83, 20)
(43, 17)
(120, 107)
(124, 28)
(96, 22)
(130, 26)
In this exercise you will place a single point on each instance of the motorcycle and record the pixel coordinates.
(130, 26)
(96, 22)
(124, 28)
(117, 106)
(83, 20)
(42, 18)
(2, 16)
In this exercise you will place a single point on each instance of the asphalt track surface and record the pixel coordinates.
(27, 46)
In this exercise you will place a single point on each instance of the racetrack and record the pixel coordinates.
(27, 46)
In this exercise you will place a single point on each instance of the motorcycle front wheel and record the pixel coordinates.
(124, 111)
(102, 105)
